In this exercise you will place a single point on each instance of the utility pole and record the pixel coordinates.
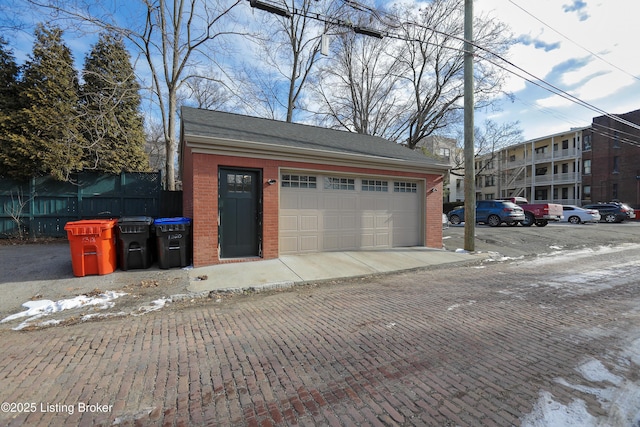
(469, 148)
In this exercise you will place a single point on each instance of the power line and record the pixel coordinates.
(612, 133)
(541, 83)
(545, 85)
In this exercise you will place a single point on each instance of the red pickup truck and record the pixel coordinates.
(537, 213)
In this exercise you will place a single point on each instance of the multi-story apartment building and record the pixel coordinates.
(545, 169)
(598, 163)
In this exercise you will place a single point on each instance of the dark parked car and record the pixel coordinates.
(492, 212)
(612, 211)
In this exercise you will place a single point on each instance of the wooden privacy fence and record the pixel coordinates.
(42, 206)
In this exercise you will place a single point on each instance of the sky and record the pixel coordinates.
(587, 48)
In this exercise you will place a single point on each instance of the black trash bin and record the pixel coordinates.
(135, 246)
(173, 237)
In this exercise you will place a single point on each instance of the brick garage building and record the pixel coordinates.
(611, 160)
(258, 188)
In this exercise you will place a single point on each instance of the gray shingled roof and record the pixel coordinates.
(217, 124)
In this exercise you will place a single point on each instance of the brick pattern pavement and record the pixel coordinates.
(429, 348)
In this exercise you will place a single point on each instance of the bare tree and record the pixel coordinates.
(260, 93)
(173, 35)
(15, 210)
(418, 73)
(290, 52)
(489, 140)
(358, 89)
(184, 28)
(155, 145)
(207, 92)
(433, 57)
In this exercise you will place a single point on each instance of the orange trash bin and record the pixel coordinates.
(93, 246)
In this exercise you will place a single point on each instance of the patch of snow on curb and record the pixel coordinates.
(39, 308)
(154, 306)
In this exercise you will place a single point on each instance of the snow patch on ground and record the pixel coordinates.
(498, 257)
(155, 305)
(618, 396)
(549, 413)
(562, 256)
(40, 308)
(36, 310)
(595, 371)
(454, 306)
(586, 282)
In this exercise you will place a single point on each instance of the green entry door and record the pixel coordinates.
(239, 213)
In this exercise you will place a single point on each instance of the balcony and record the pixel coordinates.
(544, 180)
(512, 164)
(559, 178)
(569, 153)
(566, 154)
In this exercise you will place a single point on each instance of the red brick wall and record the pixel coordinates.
(434, 212)
(205, 210)
(201, 192)
(612, 139)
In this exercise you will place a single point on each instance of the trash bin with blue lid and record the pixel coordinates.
(135, 246)
(173, 236)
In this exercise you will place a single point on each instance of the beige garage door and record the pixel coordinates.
(333, 212)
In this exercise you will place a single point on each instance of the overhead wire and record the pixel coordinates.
(612, 133)
(544, 84)
(522, 73)
(554, 89)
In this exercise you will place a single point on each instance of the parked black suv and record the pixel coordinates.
(612, 211)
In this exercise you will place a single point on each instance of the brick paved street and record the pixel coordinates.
(464, 346)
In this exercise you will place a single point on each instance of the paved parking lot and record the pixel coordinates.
(465, 346)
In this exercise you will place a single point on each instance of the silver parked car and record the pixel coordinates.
(577, 215)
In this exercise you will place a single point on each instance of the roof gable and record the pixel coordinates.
(212, 127)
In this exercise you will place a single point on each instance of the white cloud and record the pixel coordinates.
(553, 101)
(603, 86)
(564, 56)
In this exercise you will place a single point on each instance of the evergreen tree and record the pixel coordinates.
(8, 78)
(46, 138)
(8, 101)
(111, 101)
